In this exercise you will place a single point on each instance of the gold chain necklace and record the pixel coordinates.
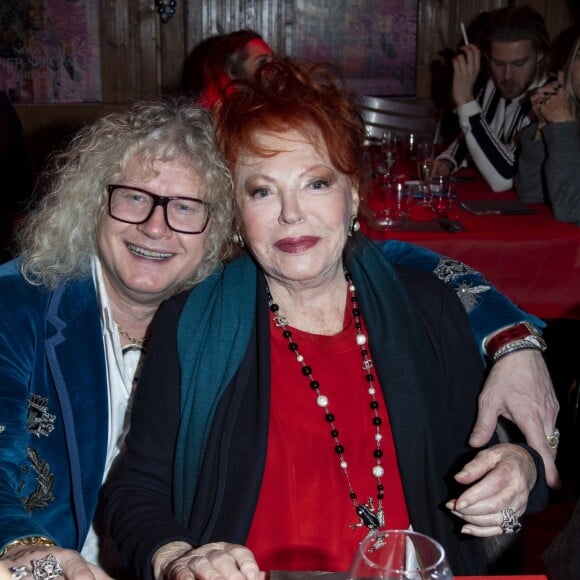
(138, 342)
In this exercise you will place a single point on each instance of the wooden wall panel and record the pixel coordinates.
(143, 57)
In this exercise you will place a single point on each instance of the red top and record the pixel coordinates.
(302, 520)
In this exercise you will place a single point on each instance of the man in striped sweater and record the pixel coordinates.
(516, 45)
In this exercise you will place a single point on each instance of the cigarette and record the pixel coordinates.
(464, 34)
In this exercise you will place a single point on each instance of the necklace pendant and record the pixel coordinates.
(369, 516)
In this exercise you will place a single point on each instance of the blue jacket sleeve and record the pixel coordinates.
(488, 309)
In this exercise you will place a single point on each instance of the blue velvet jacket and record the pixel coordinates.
(53, 409)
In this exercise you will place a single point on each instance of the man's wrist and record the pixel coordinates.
(27, 541)
(520, 336)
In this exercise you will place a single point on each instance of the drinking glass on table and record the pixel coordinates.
(424, 168)
(440, 195)
(399, 555)
(390, 143)
(424, 160)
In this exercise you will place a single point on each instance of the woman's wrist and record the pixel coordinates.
(167, 554)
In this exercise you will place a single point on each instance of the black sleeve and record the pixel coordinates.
(447, 327)
(138, 494)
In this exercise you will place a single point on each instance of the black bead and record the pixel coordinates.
(338, 449)
(356, 311)
(352, 495)
(314, 385)
(286, 334)
(370, 377)
(306, 371)
(334, 433)
(377, 421)
(274, 307)
(293, 346)
(364, 352)
(380, 495)
(374, 404)
(329, 417)
(380, 487)
(378, 453)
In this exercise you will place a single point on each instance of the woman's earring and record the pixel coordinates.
(237, 239)
(354, 226)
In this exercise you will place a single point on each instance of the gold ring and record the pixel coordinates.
(553, 439)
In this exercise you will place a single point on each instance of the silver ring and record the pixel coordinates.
(47, 568)
(511, 523)
(553, 439)
(19, 572)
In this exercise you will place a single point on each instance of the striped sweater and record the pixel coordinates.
(490, 129)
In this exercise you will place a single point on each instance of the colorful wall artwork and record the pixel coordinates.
(49, 51)
(372, 41)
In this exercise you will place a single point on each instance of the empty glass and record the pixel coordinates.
(399, 555)
(396, 201)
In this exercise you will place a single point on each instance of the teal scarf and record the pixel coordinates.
(212, 337)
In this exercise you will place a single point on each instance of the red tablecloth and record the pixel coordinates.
(532, 259)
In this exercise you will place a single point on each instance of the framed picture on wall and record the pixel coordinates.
(374, 42)
(49, 51)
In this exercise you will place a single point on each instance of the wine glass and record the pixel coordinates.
(440, 195)
(424, 160)
(389, 149)
(399, 555)
(424, 168)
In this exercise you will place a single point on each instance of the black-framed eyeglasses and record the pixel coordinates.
(185, 215)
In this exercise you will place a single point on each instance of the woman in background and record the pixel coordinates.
(236, 55)
(550, 146)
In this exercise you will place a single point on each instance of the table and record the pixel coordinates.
(283, 575)
(532, 259)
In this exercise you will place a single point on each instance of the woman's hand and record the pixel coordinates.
(74, 566)
(519, 388)
(551, 104)
(215, 561)
(501, 478)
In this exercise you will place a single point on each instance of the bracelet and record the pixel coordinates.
(527, 343)
(29, 541)
(512, 337)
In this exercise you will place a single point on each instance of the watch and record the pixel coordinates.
(519, 336)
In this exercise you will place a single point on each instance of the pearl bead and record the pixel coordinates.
(372, 391)
(322, 401)
(351, 288)
(378, 437)
(361, 339)
(299, 358)
(343, 464)
(378, 471)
